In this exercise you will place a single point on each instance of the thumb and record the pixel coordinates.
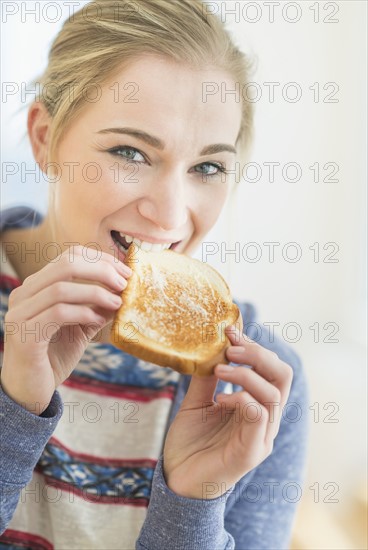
(201, 390)
(91, 330)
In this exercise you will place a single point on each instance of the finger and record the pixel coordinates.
(101, 272)
(267, 366)
(65, 292)
(93, 330)
(249, 422)
(201, 391)
(265, 362)
(57, 317)
(263, 391)
(87, 252)
(246, 408)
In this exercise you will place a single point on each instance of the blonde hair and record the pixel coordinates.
(99, 39)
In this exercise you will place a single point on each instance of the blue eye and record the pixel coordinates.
(209, 169)
(128, 153)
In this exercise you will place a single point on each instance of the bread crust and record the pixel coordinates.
(200, 359)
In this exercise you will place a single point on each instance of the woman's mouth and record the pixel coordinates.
(123, 242)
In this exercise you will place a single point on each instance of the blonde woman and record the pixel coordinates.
(99, 449)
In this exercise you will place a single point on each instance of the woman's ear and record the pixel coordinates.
(39, 125)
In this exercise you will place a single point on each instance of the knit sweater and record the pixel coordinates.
(88, 472)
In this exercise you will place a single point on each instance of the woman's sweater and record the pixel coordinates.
(88, 472)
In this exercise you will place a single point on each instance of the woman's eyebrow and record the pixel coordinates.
(217, 148)
(159, 144)
(139, 134)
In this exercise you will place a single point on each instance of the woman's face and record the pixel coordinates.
(145, 160)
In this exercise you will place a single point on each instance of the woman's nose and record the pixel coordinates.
(166, 205)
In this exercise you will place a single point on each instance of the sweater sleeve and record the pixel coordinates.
(23, 436)
(258, 512)
(180, 523)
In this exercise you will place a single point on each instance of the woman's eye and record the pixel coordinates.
(209, 169)
(128, 153)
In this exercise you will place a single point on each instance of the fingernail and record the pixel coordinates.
(121, 282)
(224, 368)
(234, 334)
(128, 269)
(125, 268)
(116, 300)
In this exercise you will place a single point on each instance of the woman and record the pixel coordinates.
(136, 143)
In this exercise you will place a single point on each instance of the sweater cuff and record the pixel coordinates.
(179, 523)
(24, 436)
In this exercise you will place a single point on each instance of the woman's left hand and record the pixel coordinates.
(210, 445)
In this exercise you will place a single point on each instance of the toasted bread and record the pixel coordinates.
(174, 312)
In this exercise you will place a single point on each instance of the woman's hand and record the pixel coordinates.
(51, 319)
(210, 445)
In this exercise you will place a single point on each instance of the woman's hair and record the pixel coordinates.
(96, 42)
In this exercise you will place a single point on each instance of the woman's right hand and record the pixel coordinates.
(51, 318)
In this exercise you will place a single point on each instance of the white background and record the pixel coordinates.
(309, 213)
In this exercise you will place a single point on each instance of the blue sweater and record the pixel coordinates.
(256, 513)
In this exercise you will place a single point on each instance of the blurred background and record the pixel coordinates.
(292, 239)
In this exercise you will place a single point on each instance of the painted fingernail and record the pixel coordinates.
(224, 368)
(235, 350)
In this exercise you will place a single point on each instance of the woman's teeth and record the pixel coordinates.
(120, 246)
(144, 245)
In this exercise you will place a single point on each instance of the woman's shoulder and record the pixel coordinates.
(15, 222)
(16, 217)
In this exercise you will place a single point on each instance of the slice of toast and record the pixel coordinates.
(174, 312)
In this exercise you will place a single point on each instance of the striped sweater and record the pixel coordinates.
(88, 472)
